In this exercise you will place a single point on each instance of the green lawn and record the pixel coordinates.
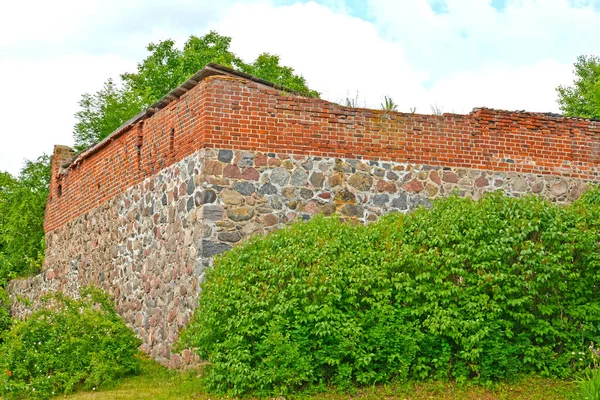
(157, 382)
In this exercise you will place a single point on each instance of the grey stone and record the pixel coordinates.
(205, 197)
(267, 188)
(190, 203)
(381, 199)
(317, 179)
(391, 176)
(519, 185)
(244, 188)
(210, 248)
(211, 212)
(400, 202)
(231, 237)
(276, 203)
(418, 201)
(225, 156)
(299, 177)
(279, 176)
(246, 160)
(190, 186)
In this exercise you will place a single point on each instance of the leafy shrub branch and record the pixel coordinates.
(468, 290)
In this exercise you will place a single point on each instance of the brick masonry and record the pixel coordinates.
(145, 213)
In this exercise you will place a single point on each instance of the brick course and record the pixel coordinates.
(233, 113)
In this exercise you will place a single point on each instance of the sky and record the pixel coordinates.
(452, 55)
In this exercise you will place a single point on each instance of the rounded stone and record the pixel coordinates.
(239, 214)
(361, 181)
(267, 189)
(205, 196)
(279, 176)
(231, 197)
(299, 177)
(345, 196)
(230, 237)
(520, 185)
(225, 156)
(559, 188)
(270, 220)
(450, 177)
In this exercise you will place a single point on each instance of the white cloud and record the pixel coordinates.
(39, 99)
(501, 86)
(339, 55)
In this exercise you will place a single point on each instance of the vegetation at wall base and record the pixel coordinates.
(67, 345)
(479, 291)
(158, 383)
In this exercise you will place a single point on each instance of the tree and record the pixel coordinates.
(22, 207)
(163, 70)
(582, 99)
(103, 112)
(267, 66)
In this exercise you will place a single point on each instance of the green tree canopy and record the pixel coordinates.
(22, 207)
(163, 70)
(582, 99)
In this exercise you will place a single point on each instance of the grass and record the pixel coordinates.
(157, 382)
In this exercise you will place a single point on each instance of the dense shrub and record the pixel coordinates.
(67, 345)
(482, 290)
(5, 318)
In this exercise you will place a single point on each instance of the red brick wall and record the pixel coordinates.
(230, 113)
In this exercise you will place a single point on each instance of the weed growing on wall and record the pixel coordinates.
(69, 344)
(468, 290)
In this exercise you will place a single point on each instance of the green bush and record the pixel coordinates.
(5, 318)
(484, 290)
(589, 386)
(69, 344)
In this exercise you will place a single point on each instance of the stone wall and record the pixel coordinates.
(149, 246)
(144, 212)
(237, 114)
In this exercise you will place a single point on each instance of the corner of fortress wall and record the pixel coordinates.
(144, 215)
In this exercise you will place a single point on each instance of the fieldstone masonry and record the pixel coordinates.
(149, 246)
(143, 213)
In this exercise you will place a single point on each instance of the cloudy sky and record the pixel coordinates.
(452, 54)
